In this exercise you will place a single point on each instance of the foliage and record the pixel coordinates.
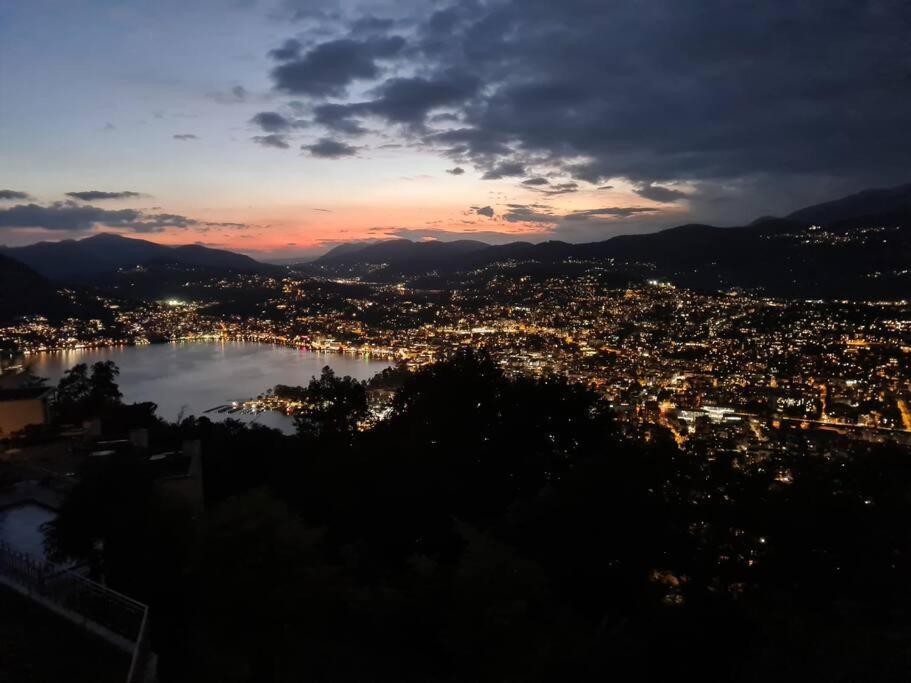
(499, 528)
(332, 406)
(390, 378)
(82, 395)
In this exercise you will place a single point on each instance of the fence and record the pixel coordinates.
(119, 620)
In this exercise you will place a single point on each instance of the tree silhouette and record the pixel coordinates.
(82, 395)
(501, 528)
(332, 406)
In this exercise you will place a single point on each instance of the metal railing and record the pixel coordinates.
(115, 617)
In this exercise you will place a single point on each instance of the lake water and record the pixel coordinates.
(191, 377)
(20, 527)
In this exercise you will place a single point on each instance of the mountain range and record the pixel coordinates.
(857, 246)
(416, 256)
(102, 255)
(25, 292)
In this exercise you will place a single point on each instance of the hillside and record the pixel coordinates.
(858, 246)
(866, 203)
(401, 253)
(25, 292)
(102, 255)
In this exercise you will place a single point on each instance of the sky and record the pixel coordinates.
(281, 128)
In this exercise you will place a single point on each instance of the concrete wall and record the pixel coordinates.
(15, 415)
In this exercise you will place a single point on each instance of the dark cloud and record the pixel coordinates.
(73, 217)
(276, 141)
(692, 94)
(658, 193)
(408, 100)
(561, 188)
(327, 148)
(338, 117)
(13, 195)
(458, 170)
(329, 68)
(216, 224)
(608, 212)
(290, 49)
(503, 170)
(185, 136)
(483, 210)
(719, 94)
(544, 186)
(96, 195)
(541, 213)
(160, 221)
(405, 101)
(530, 213)
(272, 122)
(473, 143)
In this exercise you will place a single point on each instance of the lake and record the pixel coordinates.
(192, 377)
(20, 527)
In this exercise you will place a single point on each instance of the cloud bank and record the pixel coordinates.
(74, 217)
(688, 104)
(96, 195)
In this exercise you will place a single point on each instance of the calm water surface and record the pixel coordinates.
(20, 527)
(191, 377)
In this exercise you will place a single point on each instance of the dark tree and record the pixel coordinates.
(332, 406)
(81, 395)
(499, 528)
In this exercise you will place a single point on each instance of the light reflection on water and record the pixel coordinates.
(191, 377)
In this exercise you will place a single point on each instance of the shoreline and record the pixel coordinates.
(247, 402)
(390, 356)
